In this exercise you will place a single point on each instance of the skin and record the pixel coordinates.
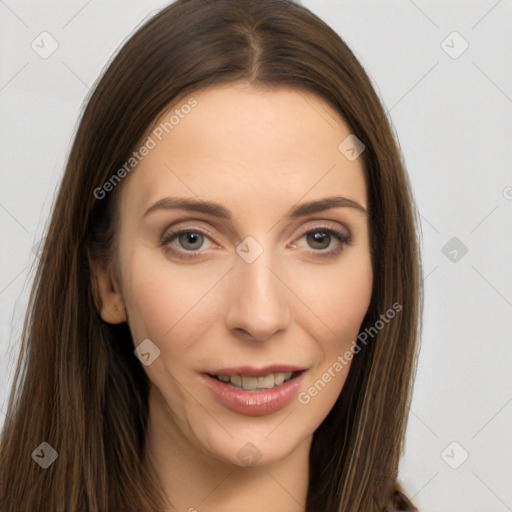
(257, 152)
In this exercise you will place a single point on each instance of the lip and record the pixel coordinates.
(253, 403)
(253, 371)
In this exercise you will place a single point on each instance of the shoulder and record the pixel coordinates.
(400, 502)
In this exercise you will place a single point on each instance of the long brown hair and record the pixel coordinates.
(78, 385)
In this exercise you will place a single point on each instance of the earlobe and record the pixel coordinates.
(109, 301)
(113, 313)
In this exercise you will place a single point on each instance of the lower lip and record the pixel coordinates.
(254, 403)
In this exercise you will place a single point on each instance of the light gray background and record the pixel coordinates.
(453, 119)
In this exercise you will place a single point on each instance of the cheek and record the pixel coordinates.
(340, 298)
(164, 301)
(338, 295)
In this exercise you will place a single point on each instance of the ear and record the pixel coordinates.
(107, 293)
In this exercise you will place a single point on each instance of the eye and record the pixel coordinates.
(321, 238)
(187, 243)
(189, 240)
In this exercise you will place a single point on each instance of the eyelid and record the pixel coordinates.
(199, 224)
(203, 225)
(308, 226)
(327, 224)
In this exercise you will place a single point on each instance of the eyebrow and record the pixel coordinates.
(217, 210)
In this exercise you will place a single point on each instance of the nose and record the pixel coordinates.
(258, 306)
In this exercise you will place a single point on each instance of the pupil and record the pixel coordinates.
(318, 237)
(192, 238)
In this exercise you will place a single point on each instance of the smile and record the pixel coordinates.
(254, 395)
(251, 383)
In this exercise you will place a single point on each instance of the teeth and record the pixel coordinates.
(279, 379)
(236, 380)
(267, 381)
(250, 383)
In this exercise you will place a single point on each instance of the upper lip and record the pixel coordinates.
(256, 372)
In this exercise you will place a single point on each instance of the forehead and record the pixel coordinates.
(248, 146)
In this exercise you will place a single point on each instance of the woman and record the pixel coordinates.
(267, 365)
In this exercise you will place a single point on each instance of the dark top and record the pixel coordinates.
(400, 502)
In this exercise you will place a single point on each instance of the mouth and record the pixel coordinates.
(254, 391)
(257, 383)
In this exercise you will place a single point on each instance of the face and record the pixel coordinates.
(242, 282)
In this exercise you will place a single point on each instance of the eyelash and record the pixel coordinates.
(170, 236)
